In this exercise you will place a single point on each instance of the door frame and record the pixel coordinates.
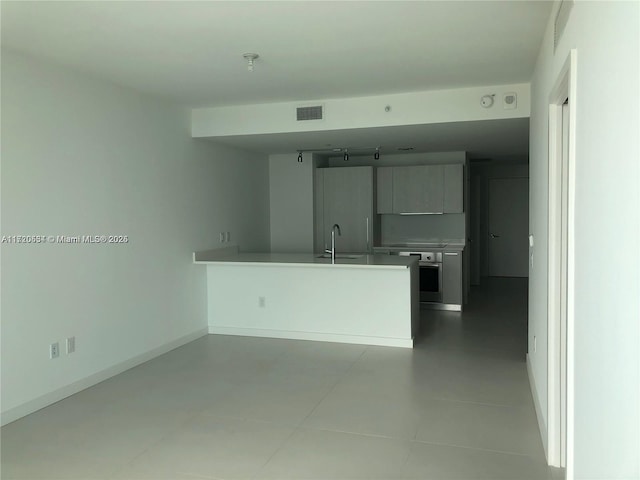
(560, 331)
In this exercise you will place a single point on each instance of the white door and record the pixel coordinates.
(508, 227)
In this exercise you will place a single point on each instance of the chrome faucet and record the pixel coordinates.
(333, 242)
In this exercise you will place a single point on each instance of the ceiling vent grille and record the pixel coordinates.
(309, 113)
(562, 17)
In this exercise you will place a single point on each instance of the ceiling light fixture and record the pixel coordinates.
(250, 58)
(331, 152)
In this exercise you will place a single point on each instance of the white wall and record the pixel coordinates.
(607, 232)
(437, 106)
(291, 203)
(368, 304)
(80, 156)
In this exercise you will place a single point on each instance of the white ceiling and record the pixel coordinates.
(190, 52)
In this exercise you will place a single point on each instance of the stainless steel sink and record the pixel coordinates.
(342, 256)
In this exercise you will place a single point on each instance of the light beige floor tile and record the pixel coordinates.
(315, 363)
(53, 464)
(136, 473)
(123, 435)
(435, 462)
(471, 378)
(285, 402)
(505, 429)
(316, 454)
(186, 414)
(109, 439)
(215, 447)
(374, 410)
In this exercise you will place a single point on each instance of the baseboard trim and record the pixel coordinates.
(38, 403)
(542, 426)
(314, 336)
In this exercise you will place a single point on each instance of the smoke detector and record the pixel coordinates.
(486, 101)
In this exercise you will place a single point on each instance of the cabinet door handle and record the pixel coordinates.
(451, 253)
(367, 226)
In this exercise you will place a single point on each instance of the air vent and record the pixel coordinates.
(562, 17)
(309, 113)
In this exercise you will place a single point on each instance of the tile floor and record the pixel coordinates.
(458, 406)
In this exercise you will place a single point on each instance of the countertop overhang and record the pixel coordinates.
(421, 247)
(230, 257)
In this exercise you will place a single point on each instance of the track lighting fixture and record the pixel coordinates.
(335, 151)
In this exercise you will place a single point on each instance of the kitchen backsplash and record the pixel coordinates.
(421, 228)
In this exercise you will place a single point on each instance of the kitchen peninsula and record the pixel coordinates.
(364, 299)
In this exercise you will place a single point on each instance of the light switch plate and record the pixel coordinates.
(71, 345)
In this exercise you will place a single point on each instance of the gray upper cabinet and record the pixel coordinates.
(453, 201)
(385, 190)
(346, 196)
(418, 189)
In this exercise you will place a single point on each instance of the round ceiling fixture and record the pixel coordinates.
(250, 58)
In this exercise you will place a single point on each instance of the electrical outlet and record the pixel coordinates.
(221, 237)
(71, 345)
(54, 350)
(228, 236)
(262, 302)
(535, 344)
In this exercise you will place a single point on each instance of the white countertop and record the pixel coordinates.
(226, 257)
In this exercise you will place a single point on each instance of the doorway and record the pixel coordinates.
(560, 269)
(508, 227)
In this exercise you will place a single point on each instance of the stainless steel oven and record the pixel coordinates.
(430, 264)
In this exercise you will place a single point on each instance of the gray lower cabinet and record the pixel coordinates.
(418, 189)
(344, 196)
(452, 278)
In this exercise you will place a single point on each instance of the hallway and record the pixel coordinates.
(458, 406)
